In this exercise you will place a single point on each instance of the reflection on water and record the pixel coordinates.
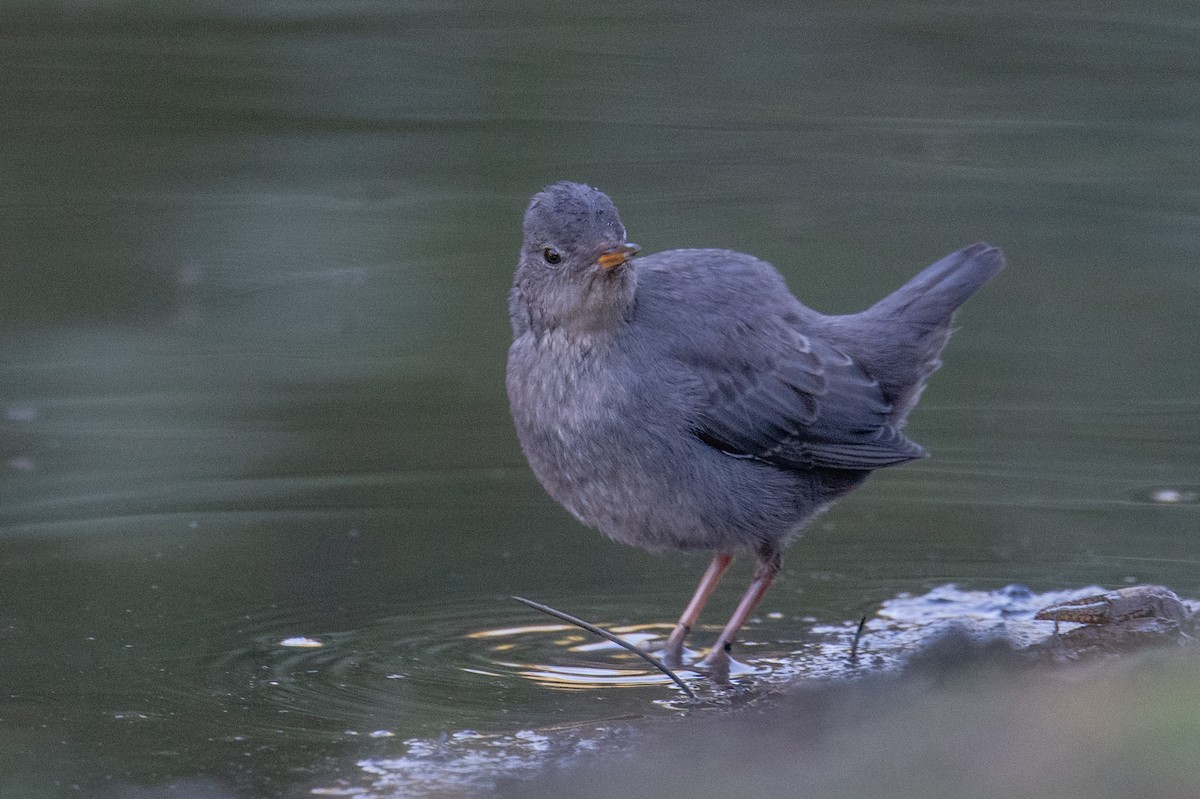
(626, 669)
(253, 268)
(575, 661)
(1168, 496)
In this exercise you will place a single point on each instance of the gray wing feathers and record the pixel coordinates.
(812, 406)
(834, 399)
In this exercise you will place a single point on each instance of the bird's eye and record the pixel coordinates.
(551, 255)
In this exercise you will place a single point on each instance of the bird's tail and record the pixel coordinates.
(900, 338)
(930, 299)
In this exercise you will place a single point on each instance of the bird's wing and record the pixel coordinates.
(795, 401)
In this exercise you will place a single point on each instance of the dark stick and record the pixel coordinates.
(857, 637)
(605, 634)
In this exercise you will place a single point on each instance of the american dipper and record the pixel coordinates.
(686, 400)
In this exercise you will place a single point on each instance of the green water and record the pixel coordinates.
(253, 270)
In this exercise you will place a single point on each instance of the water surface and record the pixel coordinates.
(253, 330)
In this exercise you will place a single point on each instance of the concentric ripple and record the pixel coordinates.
(285, 670)
(289, 672)
(390, 682)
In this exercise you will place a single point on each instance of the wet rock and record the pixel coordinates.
(1119, 622)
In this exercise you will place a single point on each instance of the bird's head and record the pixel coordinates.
(575, 269)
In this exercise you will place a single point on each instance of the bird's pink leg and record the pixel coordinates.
(717, 660)
(673, 657)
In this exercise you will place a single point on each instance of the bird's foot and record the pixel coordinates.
(673, 653)
(679, 658)
(716, 665)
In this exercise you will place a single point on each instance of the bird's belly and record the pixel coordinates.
(657, 488)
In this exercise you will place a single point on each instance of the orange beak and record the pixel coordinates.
(610, 259)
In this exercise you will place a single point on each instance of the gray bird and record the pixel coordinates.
(686, 400)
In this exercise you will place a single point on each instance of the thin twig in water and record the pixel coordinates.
(857, 637)
(605, 634)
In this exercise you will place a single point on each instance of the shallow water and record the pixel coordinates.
(252, 336)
